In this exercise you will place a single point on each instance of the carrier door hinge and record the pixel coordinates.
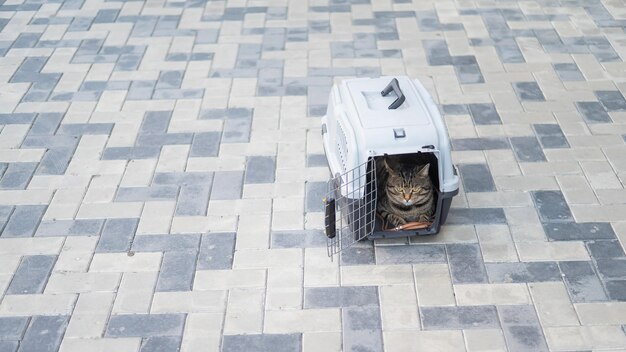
(324, 130)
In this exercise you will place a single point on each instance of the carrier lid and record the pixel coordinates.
(373, 109)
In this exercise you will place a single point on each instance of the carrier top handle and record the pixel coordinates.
(395, 86)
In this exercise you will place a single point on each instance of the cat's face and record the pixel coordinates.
(408, 186)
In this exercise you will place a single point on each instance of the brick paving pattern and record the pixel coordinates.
(161, 176)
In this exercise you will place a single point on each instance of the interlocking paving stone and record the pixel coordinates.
(162, 243)
(528, 91)
(462, 216)
(117, 235)
(193, 199)
(613, 268)
(570, 231)
(145, 325)
(612, 100)
(23, 221)
(227, 185)
(552, 206)
(161, 344)
(316, 160)
(79, 227)
(12, 328)
(315, 193)
(428, 253)
(527, 149)
(466, 263)
(177, 271)
(298, 239)
(521, 328)
(476, 178)
(582, 282)
(216, 251)
(523, 272)
(32, 274)
(340, 297)
(8, 346)
(362, 329)
(593, 112)
(44, 333)
(358, 254)
(486, 143)
(262, 343)
(551, 136)
(484, 114)
(568, 72)
(605, 249)
(17, 175)
(465, 317)
(205, 144)
(260, 169)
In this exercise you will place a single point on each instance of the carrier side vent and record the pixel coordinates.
(342, 146)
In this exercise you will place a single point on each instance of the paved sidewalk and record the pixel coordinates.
(161, 176)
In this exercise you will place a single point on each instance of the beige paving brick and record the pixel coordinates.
(126, 344)
(37, 304)
(554, 307)
(546, 251)
(491, 294)
(601, 313)
(498, 199)
(449, 234)
(86, 325)
(283, 298)
(399, 307)
(268, 258)
(244, 313)
(594, 213)
(595, 338)
(189, 302)
(373, 275)
(444, 340)
(434, 286)
(484, 340)
(135, 293)
(319, 270)
(68, 282)
(30, 246)
(9, 263)
(202, 332)
(321, 341)
(122, 262)
(496, 244)
(307, 320)
(156, 218)
(226, 279)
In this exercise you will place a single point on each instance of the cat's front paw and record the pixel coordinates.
(396, 220)
(425, 218)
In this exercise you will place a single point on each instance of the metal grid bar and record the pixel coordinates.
(355, 198)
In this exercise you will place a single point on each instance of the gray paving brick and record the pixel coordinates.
(612, 100)
(568, 72)
(528, 91)
(12, 328)
(227, 185)
(552, 206)
(8, 346)
(183, 178)
(163, 243)
(193, 200)
(437, 52)
(127, 153)
(236, 131)
(23, 221)
(466, 263)
(465, 317)
(522, 331)
(593, 112)
(145, 325)
(17, 175)
(44, 333)
(161, 344)
(605, 249)
(582, 282)
(170, 79)
(527, 149)
(523, 272)
(551, 136)
(79, 227)
(177, 271)
(616, 290)
(155, 140)
(216, 251)
(79, 129)
(315, 194)
(55, 161)
(298, 239)
(316, 160)
(17, 118)
(260, 169)
(32, 274)
(262, 343)
(340, 297)
(484, 114)
(361, 253)
(46, 123)
(117, 235)
(362, 329)
(155, 122)
(612, 268)
(146, 194)
(476, 178)
(571, 231)
(411, 254)
(463, 216)
(205, 144)
(46, 141)
(485, 143)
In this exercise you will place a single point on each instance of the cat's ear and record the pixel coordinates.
(390, 166)
(423, 172)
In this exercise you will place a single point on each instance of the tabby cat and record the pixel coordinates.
(407, 193)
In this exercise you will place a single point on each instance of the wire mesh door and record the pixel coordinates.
(350, 207)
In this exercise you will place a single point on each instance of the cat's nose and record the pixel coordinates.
(407, 197)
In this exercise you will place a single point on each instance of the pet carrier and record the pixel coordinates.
(361, 127)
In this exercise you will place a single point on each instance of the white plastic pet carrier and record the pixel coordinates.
(368, 118)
